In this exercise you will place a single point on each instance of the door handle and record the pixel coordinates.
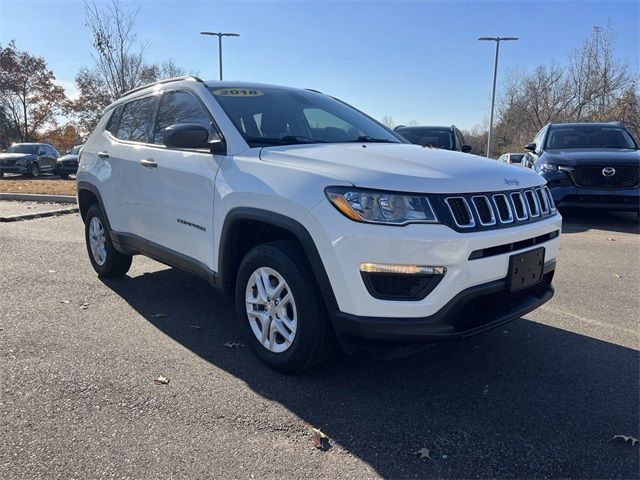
(148, 163)
(103, 154)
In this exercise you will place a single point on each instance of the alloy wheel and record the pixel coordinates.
(271, 309)
(97, 241)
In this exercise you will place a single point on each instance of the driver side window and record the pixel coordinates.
(179, 107)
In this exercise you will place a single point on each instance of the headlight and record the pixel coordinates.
(548, 168)
(375, 206)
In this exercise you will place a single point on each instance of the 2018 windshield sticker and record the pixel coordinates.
(237, 92)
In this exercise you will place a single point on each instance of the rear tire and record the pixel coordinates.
(276, 293)
(105, 259)
(63, 176)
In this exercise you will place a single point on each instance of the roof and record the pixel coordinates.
(581, 124)
(415, 127)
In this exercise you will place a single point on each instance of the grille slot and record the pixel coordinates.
(542, 200)
(552, 204)
(483, 210)
(532, 204)
(505, 213)
(461, 212)
(592, 176)
(518, 204)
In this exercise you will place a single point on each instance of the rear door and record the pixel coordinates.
(131, 185)
(182, 183)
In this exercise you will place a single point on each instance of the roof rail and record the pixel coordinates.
(160, 82)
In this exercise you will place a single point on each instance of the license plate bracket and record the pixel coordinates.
(525, 269)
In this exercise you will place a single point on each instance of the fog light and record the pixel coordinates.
(402, 269)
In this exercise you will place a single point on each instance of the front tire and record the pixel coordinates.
(105, 259)
(280, 308)
(63, 176)
(34, 169)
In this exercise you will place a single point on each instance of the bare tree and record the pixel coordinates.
(30, 101)
(119, 62)
(388, 122)
(593, 86)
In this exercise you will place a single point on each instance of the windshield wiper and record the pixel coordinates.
(286, 140)
(368, 139)
(301, 139)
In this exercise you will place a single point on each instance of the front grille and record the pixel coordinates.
(70, 163)
(518, 203)
(460, 210)
(504, 209)
(478, 211)
(592, 176)
(542, 201)
(483, 210)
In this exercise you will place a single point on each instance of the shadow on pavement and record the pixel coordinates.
(526, 400)
(582, 220)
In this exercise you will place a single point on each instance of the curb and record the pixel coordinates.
(32, 216)
(31, 197)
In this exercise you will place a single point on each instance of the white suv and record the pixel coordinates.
(324, 224)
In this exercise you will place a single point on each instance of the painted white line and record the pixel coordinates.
(590, 321)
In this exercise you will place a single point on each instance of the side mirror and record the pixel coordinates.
(41, 152)
(531, 147)
(190, 135)
(467, 148)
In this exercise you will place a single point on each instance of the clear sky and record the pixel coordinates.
(409, 60)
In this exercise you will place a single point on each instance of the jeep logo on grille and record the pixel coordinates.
(608, 171)
(511, 182)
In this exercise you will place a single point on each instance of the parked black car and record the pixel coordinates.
(68, 164)
(29, 158)
(594, 165)
(447, 138)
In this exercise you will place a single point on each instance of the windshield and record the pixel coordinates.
(22, 148)
(429, 137)
(75, 150)
(589, 136)
(278, 116)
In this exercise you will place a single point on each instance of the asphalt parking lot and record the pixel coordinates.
(541, 397)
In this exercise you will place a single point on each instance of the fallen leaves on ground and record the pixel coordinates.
(626, 438)
(424, 454)
(65, 301)
(319, 439)
(611, 239)
(159, 315)
(161, 380)
(84, 306)
(233, 345)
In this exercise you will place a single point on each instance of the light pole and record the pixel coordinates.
(493, 92)
(220, 35)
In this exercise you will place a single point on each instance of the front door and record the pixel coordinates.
(181, 184)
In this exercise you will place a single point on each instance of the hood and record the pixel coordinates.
(10, 159)
(68, 157)
(403, 167)
(592, 156)
(15, 156)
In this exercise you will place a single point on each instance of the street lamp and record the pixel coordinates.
(220, 35)
(493, 93)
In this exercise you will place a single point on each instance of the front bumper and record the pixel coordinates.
(62, 168)
(567, 195)
(14, 169)
(472, 311)
(343, 245)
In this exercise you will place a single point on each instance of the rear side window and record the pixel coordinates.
(179, 107)
(112, 124)
(135, 123)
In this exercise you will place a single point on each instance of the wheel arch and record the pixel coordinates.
(88, 195)
(266, 226)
